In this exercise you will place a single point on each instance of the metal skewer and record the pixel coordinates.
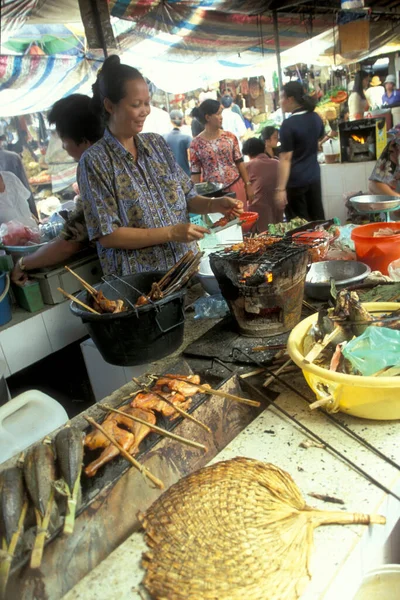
(316, 436)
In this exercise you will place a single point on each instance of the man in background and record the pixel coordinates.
(391, 97)
(11, 161)
(231, 120)
(179, 142)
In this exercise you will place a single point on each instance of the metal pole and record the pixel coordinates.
(278, 48)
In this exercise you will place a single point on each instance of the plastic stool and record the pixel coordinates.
(26, 419)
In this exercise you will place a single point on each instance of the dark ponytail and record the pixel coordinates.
(110, 83)
(295, 90)
(207, 108)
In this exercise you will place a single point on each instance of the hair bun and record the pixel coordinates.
(110, 63)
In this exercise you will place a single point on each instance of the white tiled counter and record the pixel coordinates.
(339, 179)
(29, 337)
(342, 554)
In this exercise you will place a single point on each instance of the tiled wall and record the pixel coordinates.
(340, 179)
(39, 336)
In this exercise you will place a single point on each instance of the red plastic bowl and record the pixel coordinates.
(248, 220)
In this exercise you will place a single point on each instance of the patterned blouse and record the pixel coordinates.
(215, 159)
(387, 168)
(117, 192)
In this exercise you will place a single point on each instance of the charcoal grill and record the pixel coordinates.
(264, 291)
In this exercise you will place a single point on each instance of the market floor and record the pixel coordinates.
(62, 376)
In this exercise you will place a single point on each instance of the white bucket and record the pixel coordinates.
(381, 584)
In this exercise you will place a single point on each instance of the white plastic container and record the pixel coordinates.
(380, 584)
(331, 150)
(26, 419)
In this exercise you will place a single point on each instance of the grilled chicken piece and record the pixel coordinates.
(149, 401)
(140, 431)
(95, 439)
(124, 439)
(175, 385)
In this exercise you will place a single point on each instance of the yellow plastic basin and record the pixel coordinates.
(365, 397)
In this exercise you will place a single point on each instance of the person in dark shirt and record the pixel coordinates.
(299, 177)
(391, 97)
(178, 141)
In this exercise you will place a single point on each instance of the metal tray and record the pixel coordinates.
(372, 203)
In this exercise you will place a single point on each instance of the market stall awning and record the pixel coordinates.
(33, 83)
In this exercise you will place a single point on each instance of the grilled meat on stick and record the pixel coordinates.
(154, 401)
(69, 447)
(103, 305)
(129, 440)
(40, 476)
(13, 507)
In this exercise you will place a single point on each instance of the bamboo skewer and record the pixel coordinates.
(126, 455)
(42, 527)
(85, 284)
(319, 346)
(77, 301)
(270, 379)
(7, 557)
(160, 430)
(207, 390)
(182, 412)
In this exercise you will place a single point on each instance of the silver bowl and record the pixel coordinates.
(344, 272)
(208, 188)
(371, 203)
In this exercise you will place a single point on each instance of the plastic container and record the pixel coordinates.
(365, 397)
(376, 252)
(248, 220)
(29, 296)
(331, 150)
(137, 336)
(5, 302)
(26, 419)
(380, 584)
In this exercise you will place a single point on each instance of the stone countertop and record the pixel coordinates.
(342, 554)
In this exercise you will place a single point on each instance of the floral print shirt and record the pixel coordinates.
(215, 159)
(387, 168)
(118, 191)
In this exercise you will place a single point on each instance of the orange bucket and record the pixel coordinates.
(376, 252)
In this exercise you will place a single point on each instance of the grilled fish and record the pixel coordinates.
(12, 499)
(69, 448)
(40, 475)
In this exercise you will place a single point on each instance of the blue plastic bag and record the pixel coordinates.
(376, 349)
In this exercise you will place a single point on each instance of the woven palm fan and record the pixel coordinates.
(238, 529)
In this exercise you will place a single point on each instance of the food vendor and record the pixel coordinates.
(78, 128)
(135, 197)
(385, 178)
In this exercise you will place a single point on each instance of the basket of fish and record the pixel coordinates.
(348, 374)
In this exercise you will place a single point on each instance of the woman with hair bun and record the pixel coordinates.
(135, 197)
(215, 155)
(299, 177)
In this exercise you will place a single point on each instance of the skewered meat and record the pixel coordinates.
(153, 401)
(124, 439)
(138, 429)
(224, 220)
(103, 305)
(117, 426)
(183, 385)
(252, 245)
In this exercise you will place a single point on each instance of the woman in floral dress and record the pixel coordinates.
(135, 197)
(215, 155)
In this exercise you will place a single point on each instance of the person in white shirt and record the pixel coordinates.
(374, 93)
(231, 121)
(14, 200)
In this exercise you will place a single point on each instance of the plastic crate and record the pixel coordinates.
(197, 220)
(29, 296)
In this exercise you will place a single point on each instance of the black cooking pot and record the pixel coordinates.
(139, 335)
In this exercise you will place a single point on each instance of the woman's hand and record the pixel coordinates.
(280, 199)
(249, 193)
(187, 232)
(18, 276)
(227, 206)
